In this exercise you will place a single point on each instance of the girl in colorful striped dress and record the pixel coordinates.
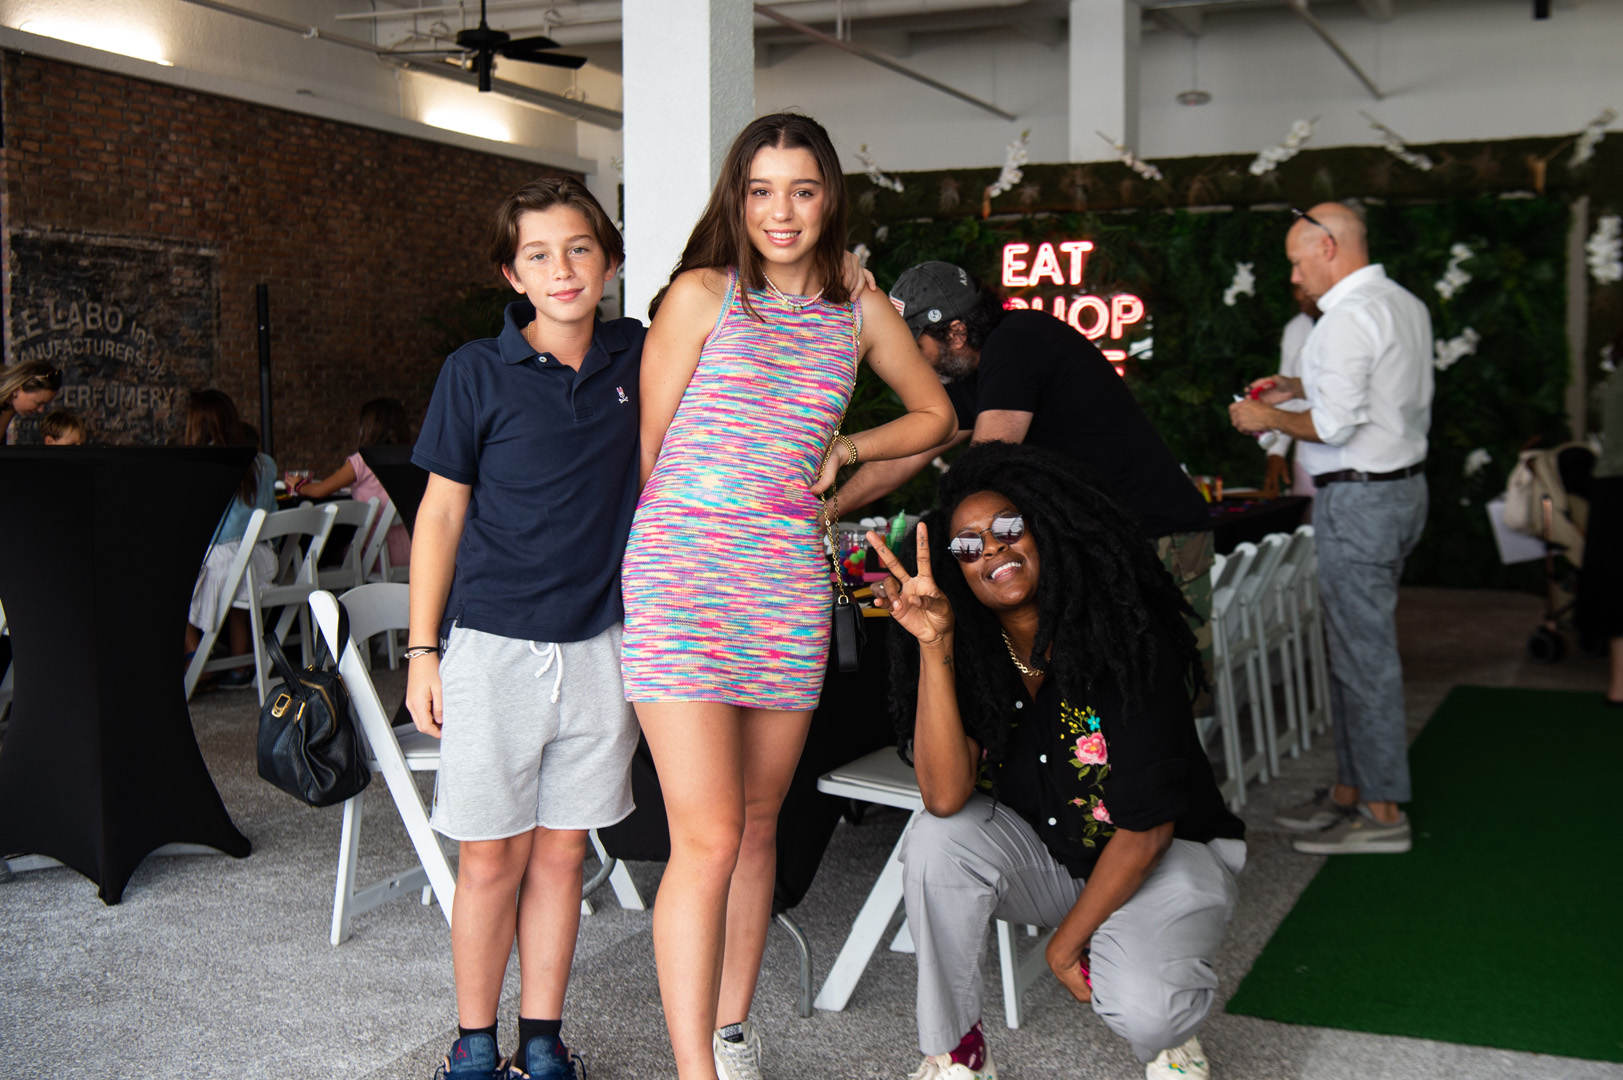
(747, 371)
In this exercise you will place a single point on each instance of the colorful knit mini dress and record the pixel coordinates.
(726, 585)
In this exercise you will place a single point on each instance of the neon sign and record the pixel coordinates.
(1062, 265)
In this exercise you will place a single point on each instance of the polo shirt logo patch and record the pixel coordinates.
(620, 392)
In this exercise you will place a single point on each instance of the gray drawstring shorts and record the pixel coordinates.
(535, 733)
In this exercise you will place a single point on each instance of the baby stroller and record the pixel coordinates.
(1547, 497)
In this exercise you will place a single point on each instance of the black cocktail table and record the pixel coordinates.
(100, 766)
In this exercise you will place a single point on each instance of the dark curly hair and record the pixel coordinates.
(979, 321)
(1112, 612)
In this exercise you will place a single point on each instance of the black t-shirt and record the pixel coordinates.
(1032, 362)
(1075, 771)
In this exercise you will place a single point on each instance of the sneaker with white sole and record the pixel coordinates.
(1186, 1062)
(1359, 834)
(1316, 815)
(942, 1067)
(738, 1060)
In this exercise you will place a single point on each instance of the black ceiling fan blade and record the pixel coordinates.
(538, 41)
(551, 59)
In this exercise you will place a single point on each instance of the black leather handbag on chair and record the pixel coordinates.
(309, 745)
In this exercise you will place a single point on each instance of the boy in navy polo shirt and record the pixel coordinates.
(531, 443)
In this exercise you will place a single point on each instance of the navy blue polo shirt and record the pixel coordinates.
(551, 455)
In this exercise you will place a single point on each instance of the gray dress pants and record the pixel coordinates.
(1364, 532)
(1153, 981)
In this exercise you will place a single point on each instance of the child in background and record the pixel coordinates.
(212, 420)
(61, 428)
(383, 423)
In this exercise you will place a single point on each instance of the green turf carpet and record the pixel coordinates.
(1504, 926)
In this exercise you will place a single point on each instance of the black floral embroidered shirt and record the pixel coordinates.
(1078, 770)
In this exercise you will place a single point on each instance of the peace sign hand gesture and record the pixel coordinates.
(920, 607)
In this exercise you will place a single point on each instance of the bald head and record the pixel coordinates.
(1326, 249)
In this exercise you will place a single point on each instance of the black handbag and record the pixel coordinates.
(309, 745)
(848, 636)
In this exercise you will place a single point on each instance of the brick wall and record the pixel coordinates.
(361, 235)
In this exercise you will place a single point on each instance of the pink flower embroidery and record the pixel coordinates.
(1078, 802)
(1101, 814)
(1091, 750)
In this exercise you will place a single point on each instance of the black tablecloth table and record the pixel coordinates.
(404, 481)
(1252, 519)
(100, 766)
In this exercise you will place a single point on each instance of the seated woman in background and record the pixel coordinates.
(62, 428)
(26, 388)
(211, 420)
(383, 423)
(1045, 683)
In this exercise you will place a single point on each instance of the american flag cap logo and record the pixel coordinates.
(900, 305)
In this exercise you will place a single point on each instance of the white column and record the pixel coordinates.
(1103, 76)
(689, 88)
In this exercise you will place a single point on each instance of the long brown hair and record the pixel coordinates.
(383, 423)
(212, 420)
(720, 239)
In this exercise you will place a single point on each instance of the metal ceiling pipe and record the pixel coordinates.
(584, 32)
(1300, 7)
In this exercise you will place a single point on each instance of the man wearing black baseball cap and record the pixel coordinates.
(1025, 376)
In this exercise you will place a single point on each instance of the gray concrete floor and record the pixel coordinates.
(213, 967)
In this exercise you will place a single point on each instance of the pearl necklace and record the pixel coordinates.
(1024, 670)
(802, 305)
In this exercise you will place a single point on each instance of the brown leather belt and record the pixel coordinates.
(1354, 476)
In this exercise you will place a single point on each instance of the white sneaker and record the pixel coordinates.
(740, 1060)
(1186, 1062)
(942, 1067)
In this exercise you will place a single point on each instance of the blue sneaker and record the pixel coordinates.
(546, 1058)
(472, 1057)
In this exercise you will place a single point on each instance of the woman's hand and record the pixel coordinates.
(424, 699)
(857, 278)
(1072, 974)
(920, 607)
(833, 461)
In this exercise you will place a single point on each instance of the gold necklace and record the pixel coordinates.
(1024, 670)
(802, 306)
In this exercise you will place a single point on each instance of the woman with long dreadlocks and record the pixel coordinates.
(1045, 683)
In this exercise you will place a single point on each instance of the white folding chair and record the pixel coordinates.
(200, 662)
(381, 568)
(393, 753)
(1270, 629)
(351, 572)
(1232, 786)
(295, 580)
(1309, 612)
(882, 777)
(1234, 650)
(376, 567)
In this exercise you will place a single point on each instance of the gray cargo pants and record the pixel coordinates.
(1153, 982)
(1364, 532)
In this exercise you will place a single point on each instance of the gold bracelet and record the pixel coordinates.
(851, 446)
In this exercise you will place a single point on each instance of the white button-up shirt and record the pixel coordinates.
(1367, 375)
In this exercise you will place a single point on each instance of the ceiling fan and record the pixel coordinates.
(480, 46)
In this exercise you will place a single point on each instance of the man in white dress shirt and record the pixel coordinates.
(1367, 379)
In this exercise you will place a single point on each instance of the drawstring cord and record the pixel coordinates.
(552, 652)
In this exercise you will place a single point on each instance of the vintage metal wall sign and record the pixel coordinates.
(133, 325)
